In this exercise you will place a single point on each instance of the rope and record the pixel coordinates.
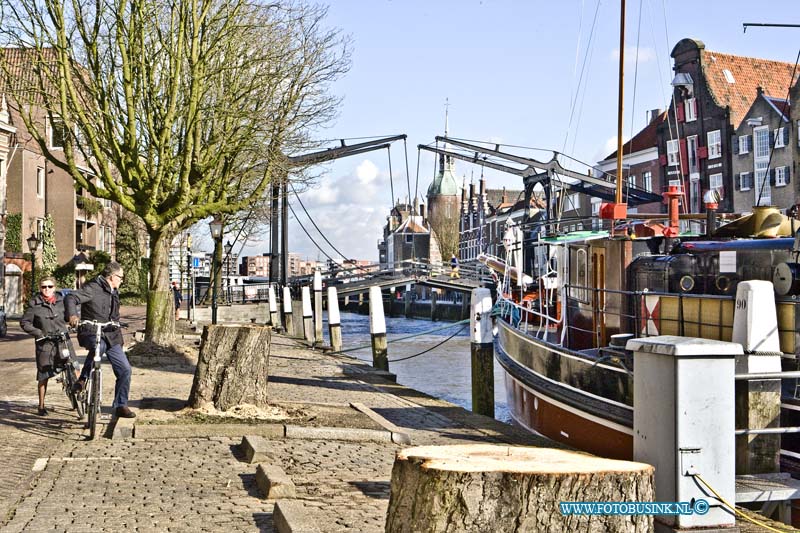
(734, 509)
(429, 349)
(363, 346)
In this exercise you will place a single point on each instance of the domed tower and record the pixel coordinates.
(444, 205)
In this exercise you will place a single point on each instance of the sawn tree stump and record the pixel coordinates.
(495, 488)
(233, 367)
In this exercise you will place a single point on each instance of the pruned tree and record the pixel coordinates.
(177, 111)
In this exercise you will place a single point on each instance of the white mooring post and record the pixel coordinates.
(318, 306)
(308, 318)
(273, 308)
(377, 329)
(482, 350)
(683, 423)
(288, 321)
(334, 320)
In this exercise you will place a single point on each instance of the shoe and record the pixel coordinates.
(124, 412)
(78, 385)
(42, 411)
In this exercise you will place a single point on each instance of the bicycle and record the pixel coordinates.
(93, 395)
(64, 366)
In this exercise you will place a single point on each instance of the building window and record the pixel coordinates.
(101, 233)
(715, 184)
(778, 136)
(409, 237)
(714, 144)
(40, 182)
(690, 108)
(780, 176)
(57, 133)
(761, 142)
(39, 227)
(647, 181)
(631, 181)
(763, 192)
(745, 144)
(745, 181)
(672, 153)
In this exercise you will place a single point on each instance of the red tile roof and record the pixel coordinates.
(749, 73)
(643, 140)
(781, 104)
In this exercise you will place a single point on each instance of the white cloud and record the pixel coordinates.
(367, 172)
(646, 54)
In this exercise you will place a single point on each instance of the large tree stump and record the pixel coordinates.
(233, 367)
(495, 488)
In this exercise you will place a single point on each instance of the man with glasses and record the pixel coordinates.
(99, 300)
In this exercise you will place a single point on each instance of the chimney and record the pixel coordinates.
(652, 115)
(504, 199)
(483, 186)
(422, 211)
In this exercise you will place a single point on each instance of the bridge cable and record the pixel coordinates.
(408, 176)
(320, 232)
(391, 176)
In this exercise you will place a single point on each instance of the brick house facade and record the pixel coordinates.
(712, 92)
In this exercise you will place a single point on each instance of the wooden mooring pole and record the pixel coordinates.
(273, 308)
(308, 318)
(334, 320)
(288, 321)
(377, 330)
(318, 306)
(482, 350)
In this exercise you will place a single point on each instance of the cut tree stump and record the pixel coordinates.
(485, 487)
(233, 367)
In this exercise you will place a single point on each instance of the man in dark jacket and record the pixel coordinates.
(99, 300)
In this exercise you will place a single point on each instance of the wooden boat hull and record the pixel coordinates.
(548, 392)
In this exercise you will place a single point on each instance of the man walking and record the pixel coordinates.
(454, 268)
(177, 298)
(99, 300)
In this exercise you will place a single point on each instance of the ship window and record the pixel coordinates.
(582, 292)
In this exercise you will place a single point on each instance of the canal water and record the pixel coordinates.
(443, 372)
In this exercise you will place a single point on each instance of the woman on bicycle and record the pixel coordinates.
(46, 315)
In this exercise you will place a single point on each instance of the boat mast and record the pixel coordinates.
(620, 103)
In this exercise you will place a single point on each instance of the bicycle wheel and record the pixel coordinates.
(74, 397)
(94, 402)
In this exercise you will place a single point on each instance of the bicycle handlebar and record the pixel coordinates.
(52, 337)
(102, 324)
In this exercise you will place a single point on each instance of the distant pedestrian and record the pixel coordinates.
(454, 268)
(178, 298)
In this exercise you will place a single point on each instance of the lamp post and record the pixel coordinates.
(33, 245)
(226, 269)
(190, 294)
(216, 234)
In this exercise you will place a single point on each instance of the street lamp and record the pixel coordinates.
(216, 233)
(226, 270)
(33, 245)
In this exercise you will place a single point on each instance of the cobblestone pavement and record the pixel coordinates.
(204, 484)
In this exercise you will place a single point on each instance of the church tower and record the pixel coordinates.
(443, 204)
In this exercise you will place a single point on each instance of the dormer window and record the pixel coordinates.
(690, 109)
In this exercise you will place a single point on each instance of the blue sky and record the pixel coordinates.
(510, 71)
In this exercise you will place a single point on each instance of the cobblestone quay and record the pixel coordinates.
(53, 479)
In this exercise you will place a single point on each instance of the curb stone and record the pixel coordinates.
(291, 516)
(273, 482)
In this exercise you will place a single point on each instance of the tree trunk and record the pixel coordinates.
(233, 367)
(485, 487)
(160, 325)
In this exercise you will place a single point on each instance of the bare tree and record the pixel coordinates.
(182, 110)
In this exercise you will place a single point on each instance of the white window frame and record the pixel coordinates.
(742, 186)
(777, 136)
(764, 132)
(630, 181)
(51, 130)
(744, 145)
(714, 144)
(101, 234)
(647, 180)
(40, 182)
(690, 109)
(780, 177)
(691, 154)
(673, 149)
(715, 183)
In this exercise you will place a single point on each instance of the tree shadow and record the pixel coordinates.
(23, 416)
(328, 382)
(378, 490)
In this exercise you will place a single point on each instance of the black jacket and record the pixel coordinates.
(40, 319)
(99, 302)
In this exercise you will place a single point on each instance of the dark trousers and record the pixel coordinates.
(122, 370)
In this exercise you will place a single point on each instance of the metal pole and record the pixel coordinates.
(188, 284)
(214, 280)
(274, 260)
(33, 273)
(285, 234)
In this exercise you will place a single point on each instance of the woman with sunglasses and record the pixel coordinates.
(44, 316)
